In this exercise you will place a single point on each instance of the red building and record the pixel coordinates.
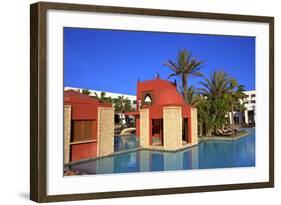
(163, 118)
(84, 135)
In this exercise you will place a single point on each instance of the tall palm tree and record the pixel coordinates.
(217, 86)
(213, 108)
(184, 67)
(223, 89)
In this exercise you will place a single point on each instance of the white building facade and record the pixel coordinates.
(249, 115)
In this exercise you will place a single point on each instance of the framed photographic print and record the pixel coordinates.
(134, 102)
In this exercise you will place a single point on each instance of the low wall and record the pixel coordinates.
(83, 151)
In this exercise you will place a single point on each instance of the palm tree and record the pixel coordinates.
(103, 97)
(122, 104)
(213, 108)
(224, 93)
(184, 67)
(217, 86)
(192, 96)
(85, 91)
(234, 96)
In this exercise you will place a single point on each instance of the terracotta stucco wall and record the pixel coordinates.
(83, 151)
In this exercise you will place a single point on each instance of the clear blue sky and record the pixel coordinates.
(113, 60)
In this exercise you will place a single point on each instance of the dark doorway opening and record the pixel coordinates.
(157, 132)
(185, 130)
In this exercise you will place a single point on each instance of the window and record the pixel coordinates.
(253, 101)
(134, 102)
(253, 95)
(147, 99)
(82, 130)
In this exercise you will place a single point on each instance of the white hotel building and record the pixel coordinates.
(249, 115)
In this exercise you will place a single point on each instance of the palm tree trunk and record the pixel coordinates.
(209, 132)
(200, 128)
(184, 85)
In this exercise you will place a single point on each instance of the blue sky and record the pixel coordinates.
(113, 60)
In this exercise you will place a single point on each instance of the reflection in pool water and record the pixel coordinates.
(208, 154)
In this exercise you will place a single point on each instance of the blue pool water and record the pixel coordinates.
(125, 143)
(208, 154)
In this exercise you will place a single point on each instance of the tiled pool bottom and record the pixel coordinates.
(208, 154)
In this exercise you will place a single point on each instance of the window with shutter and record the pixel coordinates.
(83, 130)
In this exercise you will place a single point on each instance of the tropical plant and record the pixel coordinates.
(204, 119)
(234, 96)
(192, 96)
(221, 95)
(85, 91)
(211, 114)
(217, 86)
(184, 67)
(122, 104)
(103, 98)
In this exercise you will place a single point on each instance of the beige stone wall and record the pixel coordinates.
(105, 129)
(194, 127)
(67, 126)
(172, 119)
(144, 128)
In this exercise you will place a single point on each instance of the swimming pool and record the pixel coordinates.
(208, 154)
